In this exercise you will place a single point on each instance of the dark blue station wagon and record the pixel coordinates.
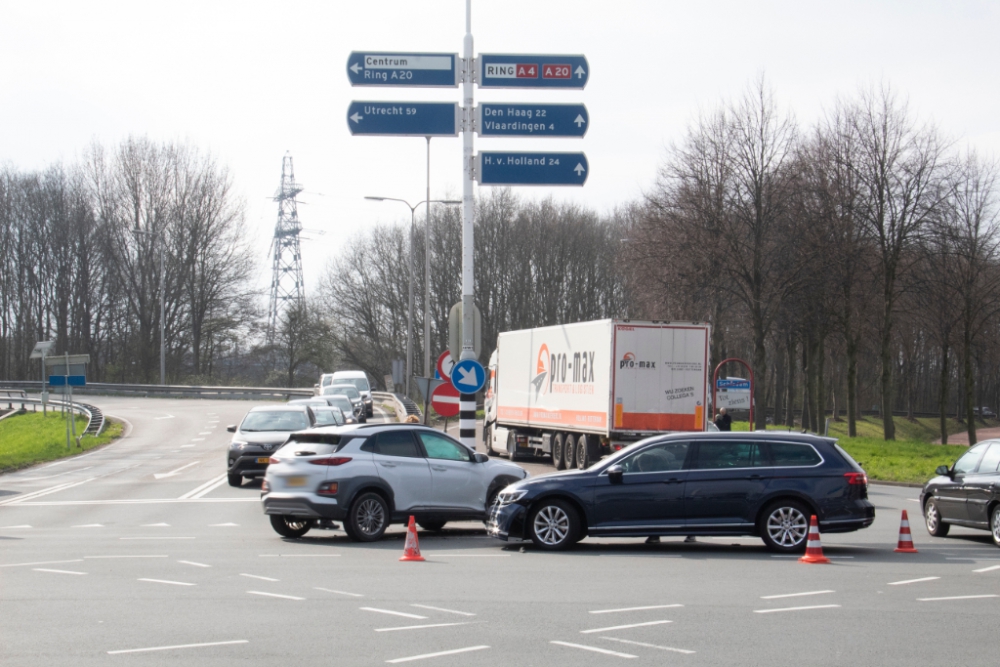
(763, 484)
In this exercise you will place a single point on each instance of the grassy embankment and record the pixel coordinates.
(911, 458)
(33, 438)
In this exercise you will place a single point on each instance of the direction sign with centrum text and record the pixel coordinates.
(512, 70)
(366, 68)
(418, 119)
(529, 168)
(532, 120)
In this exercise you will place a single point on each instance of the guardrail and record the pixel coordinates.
(399, 403)
(94, 415)
(174, 390)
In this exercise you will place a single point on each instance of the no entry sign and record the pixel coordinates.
(444, 400)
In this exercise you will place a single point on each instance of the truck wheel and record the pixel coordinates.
(511, 445)
(488, 441)
(569, 451)
(582, 453)
(557, 451)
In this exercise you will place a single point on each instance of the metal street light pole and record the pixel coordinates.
(409, 315)
(427, 271)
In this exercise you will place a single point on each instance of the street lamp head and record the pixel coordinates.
(450, 202)
(376, 198)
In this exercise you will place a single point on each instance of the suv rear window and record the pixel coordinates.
(789, 454)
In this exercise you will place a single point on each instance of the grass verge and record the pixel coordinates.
(911, 458)
(33, 437)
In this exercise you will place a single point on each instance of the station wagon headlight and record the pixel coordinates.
(508, 496)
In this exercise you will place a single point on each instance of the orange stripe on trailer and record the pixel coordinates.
(660, 421)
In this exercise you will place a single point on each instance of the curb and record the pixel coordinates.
(880, 482)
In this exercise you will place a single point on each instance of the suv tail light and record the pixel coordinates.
(856, 478)
(327, 489)
(332, 461)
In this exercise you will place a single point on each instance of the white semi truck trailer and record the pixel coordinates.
(581, 391)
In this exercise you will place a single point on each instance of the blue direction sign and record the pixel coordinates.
(468, 376)
(532, 120)
(403, 69)
(527, 168)
(511, 70)
(733, 383)
(422, 119)
(73, 380)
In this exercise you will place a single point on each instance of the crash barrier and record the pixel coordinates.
(403, 406)
(173, 390)
(95, 418)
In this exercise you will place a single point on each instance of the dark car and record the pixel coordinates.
(762, 484)
(966, 494)
(263, 430)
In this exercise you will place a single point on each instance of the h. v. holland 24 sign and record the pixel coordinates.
(530, 168)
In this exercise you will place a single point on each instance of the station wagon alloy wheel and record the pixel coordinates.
(787, 527)
(554, 525)
(995, 525)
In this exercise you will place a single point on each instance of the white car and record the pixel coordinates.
(357, 378)
(370, 476)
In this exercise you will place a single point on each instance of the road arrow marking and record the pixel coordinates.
(579, 169)
(579, 121)
(162, 475)
(356, 68)
(580, 72)
(357, 117)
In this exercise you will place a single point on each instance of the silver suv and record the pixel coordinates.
(374, 475)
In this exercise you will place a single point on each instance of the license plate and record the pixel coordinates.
(295, 481)
(263, 459)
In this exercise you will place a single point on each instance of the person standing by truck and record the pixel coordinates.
(723, 421)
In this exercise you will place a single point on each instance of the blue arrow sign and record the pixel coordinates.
(421, 119)
(436, 70)
(527, 168)
(733, 384)
(468, 376)
(532, 120)
(511, 70)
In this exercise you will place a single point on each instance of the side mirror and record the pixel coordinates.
(231, 428)
(615, 473)
(480, 458)
(943, 470)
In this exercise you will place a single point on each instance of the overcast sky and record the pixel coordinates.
(250, 80)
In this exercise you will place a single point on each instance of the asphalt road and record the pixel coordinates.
(140, 554)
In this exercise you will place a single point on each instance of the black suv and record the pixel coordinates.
(764, 484)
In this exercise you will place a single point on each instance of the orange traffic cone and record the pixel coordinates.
(814, 548)
(411, 550)
(905, 545)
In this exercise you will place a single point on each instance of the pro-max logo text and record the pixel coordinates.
(628, 361)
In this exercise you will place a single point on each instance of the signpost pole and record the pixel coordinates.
(467, 415)
(428, 372)
(45, 402)
(69, 412)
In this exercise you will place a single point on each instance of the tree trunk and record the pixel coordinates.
(885, 357)
(820, 365)
(970, 384)
(759, 373)
(779, 385)
(807, 405)
(943, 394)
(790, 402)
(852, 386)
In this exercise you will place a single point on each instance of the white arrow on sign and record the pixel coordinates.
(580, 71)
(579, 121)
(357, 117)
(161, 475)
(579, 169)
(356, 68)
(468, 377)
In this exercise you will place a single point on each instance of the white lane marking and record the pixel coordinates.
(256, 576)
(330, 590)
(595, 649)
(447, 555)
(447, 611)
(205, 433)
(275, 595)
(988, 569)
(623, 627)
(794, 595)
(197, 439)
(222, 525)
(393, 613)
(970, 558)
(156, 525)
(818, 606)
(127, 556)
(170, 648)
(422, 627)
(159, 418)
(43, 562)
(662, 648)
(191, 562)
(167, 581)
(958, 597)
(914, 500)
(130, 501)
(172, 473)
(17, 500)
(455, 651)
(155, 538)
(35, 479)
(14, 527)
(90, 525)
(299, 555)
(186, 446)
(911, 581)
(203, 486)
(205, 492)
(42, 569)
(655, 606)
